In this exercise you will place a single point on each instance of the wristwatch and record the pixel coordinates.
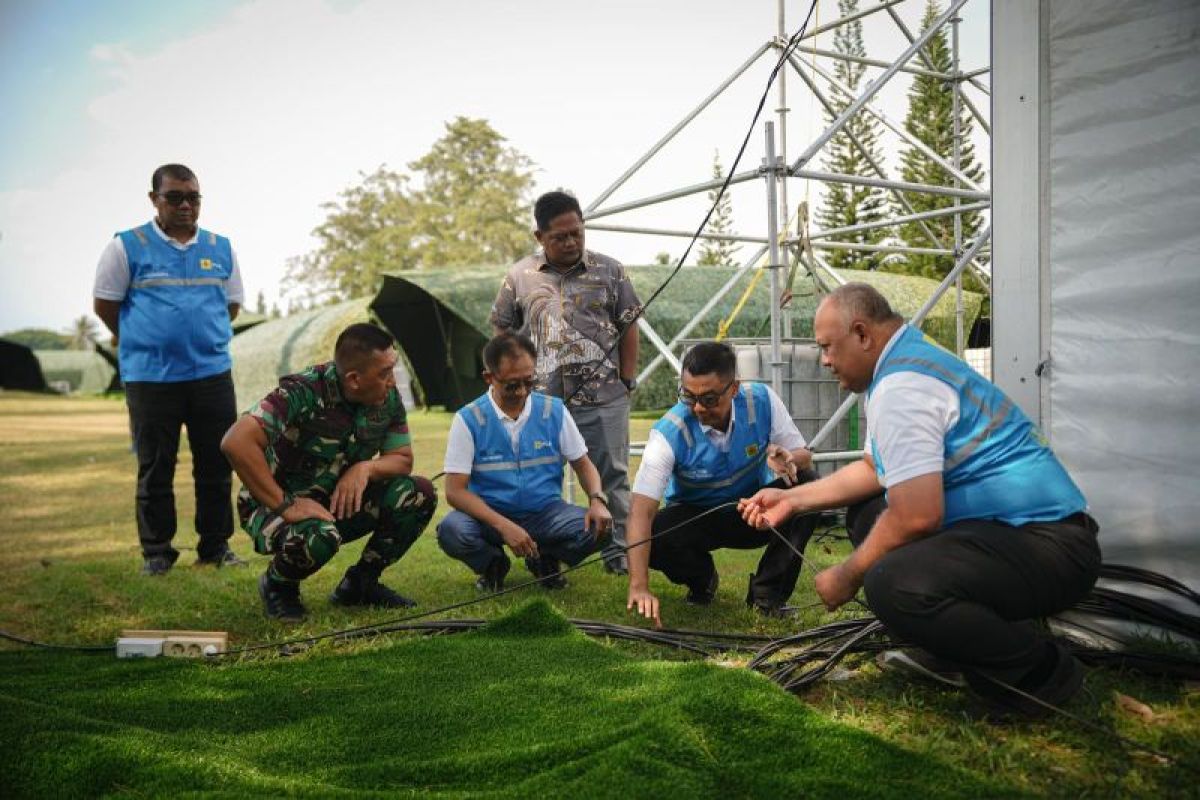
(630, 384)
(601, 496)
(284, 504)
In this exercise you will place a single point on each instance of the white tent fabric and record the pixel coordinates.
(1124, 290)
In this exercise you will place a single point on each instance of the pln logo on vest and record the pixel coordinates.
(538, 444)
(206, 263)
(751, 450)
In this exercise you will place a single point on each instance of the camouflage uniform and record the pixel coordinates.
(313, 436)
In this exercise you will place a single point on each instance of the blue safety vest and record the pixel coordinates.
(997, 463)
(528, 480)
(174, 323)
(705, 476)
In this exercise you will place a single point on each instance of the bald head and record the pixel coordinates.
(852, 326)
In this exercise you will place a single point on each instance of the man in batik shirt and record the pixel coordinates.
(578, 307)
(326, 458)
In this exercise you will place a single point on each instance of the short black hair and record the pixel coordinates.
(707, 358)
(358, 342)
(177, 171)
(506, 345)
(552, 204)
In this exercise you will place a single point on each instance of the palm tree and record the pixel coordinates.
(83, 333)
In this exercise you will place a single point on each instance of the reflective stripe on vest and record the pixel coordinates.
(521, 482)
(996, 465)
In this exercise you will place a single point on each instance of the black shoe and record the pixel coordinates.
(775, 611)
(357, 589)
(158, 564)
(226, 558)
(492, 579)
(546, 569)
(1063, 678)
(617, 565)
(913, 662)
(281, 601)
(704, 596)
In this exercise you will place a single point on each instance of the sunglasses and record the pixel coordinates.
(177, 198)
(708, 399)
(512, 387)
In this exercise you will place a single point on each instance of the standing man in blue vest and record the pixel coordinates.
(504, 475)
(978, 529)
(169, 290)
(722, 442)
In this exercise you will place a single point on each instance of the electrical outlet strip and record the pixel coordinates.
(178, 644)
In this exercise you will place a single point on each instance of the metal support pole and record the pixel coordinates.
(771, 169)
(956, 155)
(672, 133)
(708, 306)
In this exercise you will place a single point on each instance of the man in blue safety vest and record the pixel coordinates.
(723, 441)
(504, 474)
(966, 525)
(169, 290)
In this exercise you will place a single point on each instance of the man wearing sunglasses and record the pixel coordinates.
(723, 441)
(577, 306)
(168, 291)
(504, 472)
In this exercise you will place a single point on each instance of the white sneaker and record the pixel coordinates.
(917, 663)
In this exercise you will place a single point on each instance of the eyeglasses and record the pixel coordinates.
(177, 198)
(512, 387)
(708, 399)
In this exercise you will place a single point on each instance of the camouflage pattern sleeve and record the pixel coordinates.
(282, 407)
(506, 313)
(397, 434)
(627, 305)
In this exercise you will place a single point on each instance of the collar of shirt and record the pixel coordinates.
(717, 437)
(505, 418)
(179, 246)
(887, 348)
(333, 384)
(582, 264)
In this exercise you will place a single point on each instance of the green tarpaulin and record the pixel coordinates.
(83, 371)
(440, 318)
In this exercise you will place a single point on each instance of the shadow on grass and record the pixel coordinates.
(525, 707)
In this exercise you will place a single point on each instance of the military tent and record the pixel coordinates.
(83, 371)
(19, 368)
(440, 318)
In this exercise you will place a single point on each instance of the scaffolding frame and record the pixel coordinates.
(777, 248)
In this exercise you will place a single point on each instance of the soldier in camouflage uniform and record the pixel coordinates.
(307, 457)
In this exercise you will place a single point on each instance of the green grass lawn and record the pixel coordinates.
(529, 709)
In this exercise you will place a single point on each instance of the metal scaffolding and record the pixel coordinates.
(780, 248)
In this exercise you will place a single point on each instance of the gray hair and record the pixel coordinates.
(863, 301)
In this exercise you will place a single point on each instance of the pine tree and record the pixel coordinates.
(931, 119)
(719, 252)
(845, 205)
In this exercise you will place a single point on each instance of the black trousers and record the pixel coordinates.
(971, 592)
(685, 555)
(156, 412)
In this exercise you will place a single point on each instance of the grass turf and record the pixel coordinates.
(525, 707)
(436, 715)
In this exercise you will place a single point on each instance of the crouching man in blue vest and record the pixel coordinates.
(722, 442)
(966, 526)
(504, 473)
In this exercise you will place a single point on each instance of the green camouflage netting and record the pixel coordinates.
(440, 318)
(83, 371)
(284, 346)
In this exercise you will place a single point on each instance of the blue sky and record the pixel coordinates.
(280, 104)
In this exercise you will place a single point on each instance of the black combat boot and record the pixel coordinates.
(361, 587)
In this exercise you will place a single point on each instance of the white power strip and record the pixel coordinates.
(177, 644)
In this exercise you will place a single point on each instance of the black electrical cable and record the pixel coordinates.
(788, 49)
(87, 648)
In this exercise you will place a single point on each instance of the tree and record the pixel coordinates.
(662, 258)
(474, 198)
(469, 209)
(38, 338)
(261, 303)
(82, 334)
(719, 252)
(845, 205)
(931, 119)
